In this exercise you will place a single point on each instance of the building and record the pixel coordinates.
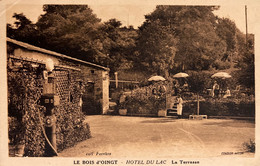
(51, 90)
(95, 77)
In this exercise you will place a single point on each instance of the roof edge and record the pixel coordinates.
(42, 50)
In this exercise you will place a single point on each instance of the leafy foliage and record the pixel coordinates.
(221, 107)
(172, 38)
(25, 86)
(157, 47)
(226, 30)
(199, 45)
(196, 43)
(118, 43)
(198, 81)
(23, 92)
(147, 100)
(249, 146)
(24, 29)
(72, 30)
(247, 75)
(75, 31)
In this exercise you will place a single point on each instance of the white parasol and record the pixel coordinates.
(221, 75)
(156, 78)
(181, 75)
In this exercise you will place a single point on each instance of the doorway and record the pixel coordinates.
(90, 105)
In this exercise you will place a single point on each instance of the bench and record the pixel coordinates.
(200, 117)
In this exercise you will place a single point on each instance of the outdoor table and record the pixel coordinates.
(209, 91)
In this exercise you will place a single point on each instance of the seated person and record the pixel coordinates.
(237, 88)
(185, 86)
(227, 93)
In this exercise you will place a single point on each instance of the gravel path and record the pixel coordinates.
(140, 137)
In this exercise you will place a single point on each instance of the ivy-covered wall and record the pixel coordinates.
(25, 113)
(87, 73)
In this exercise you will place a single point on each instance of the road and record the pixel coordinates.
(124, 136)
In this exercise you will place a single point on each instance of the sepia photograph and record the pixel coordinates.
(129, 83)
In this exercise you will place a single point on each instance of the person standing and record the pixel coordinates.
(215, 89)
(179, 102)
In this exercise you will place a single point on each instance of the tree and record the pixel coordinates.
(156, 47)
(239, 53)
(227, 31)
(247, 63)
(199, 44)
(75, 31)
(72, 30)
(198, 81)
(118, 43)
(23, 29)
(189, 32)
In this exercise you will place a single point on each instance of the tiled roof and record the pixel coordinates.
(38, 49)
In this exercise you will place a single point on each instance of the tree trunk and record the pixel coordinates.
(198, 104)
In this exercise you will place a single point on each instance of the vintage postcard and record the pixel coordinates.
(129, 82)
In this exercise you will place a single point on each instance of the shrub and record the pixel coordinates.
(249, 146)
(69, 126)
(147, 100)
(221, 107)
(220, 65)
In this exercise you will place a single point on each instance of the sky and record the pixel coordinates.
(133, 14)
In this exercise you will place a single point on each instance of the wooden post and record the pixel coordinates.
(246, 27)
(198, 104)
(116, 79)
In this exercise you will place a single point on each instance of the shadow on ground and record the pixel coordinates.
(160, 120)
(234, 123)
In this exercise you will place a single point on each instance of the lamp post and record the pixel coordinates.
(49, 100)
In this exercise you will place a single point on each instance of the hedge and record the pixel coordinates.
(146, 100)
(142, 101)
(220, 107)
